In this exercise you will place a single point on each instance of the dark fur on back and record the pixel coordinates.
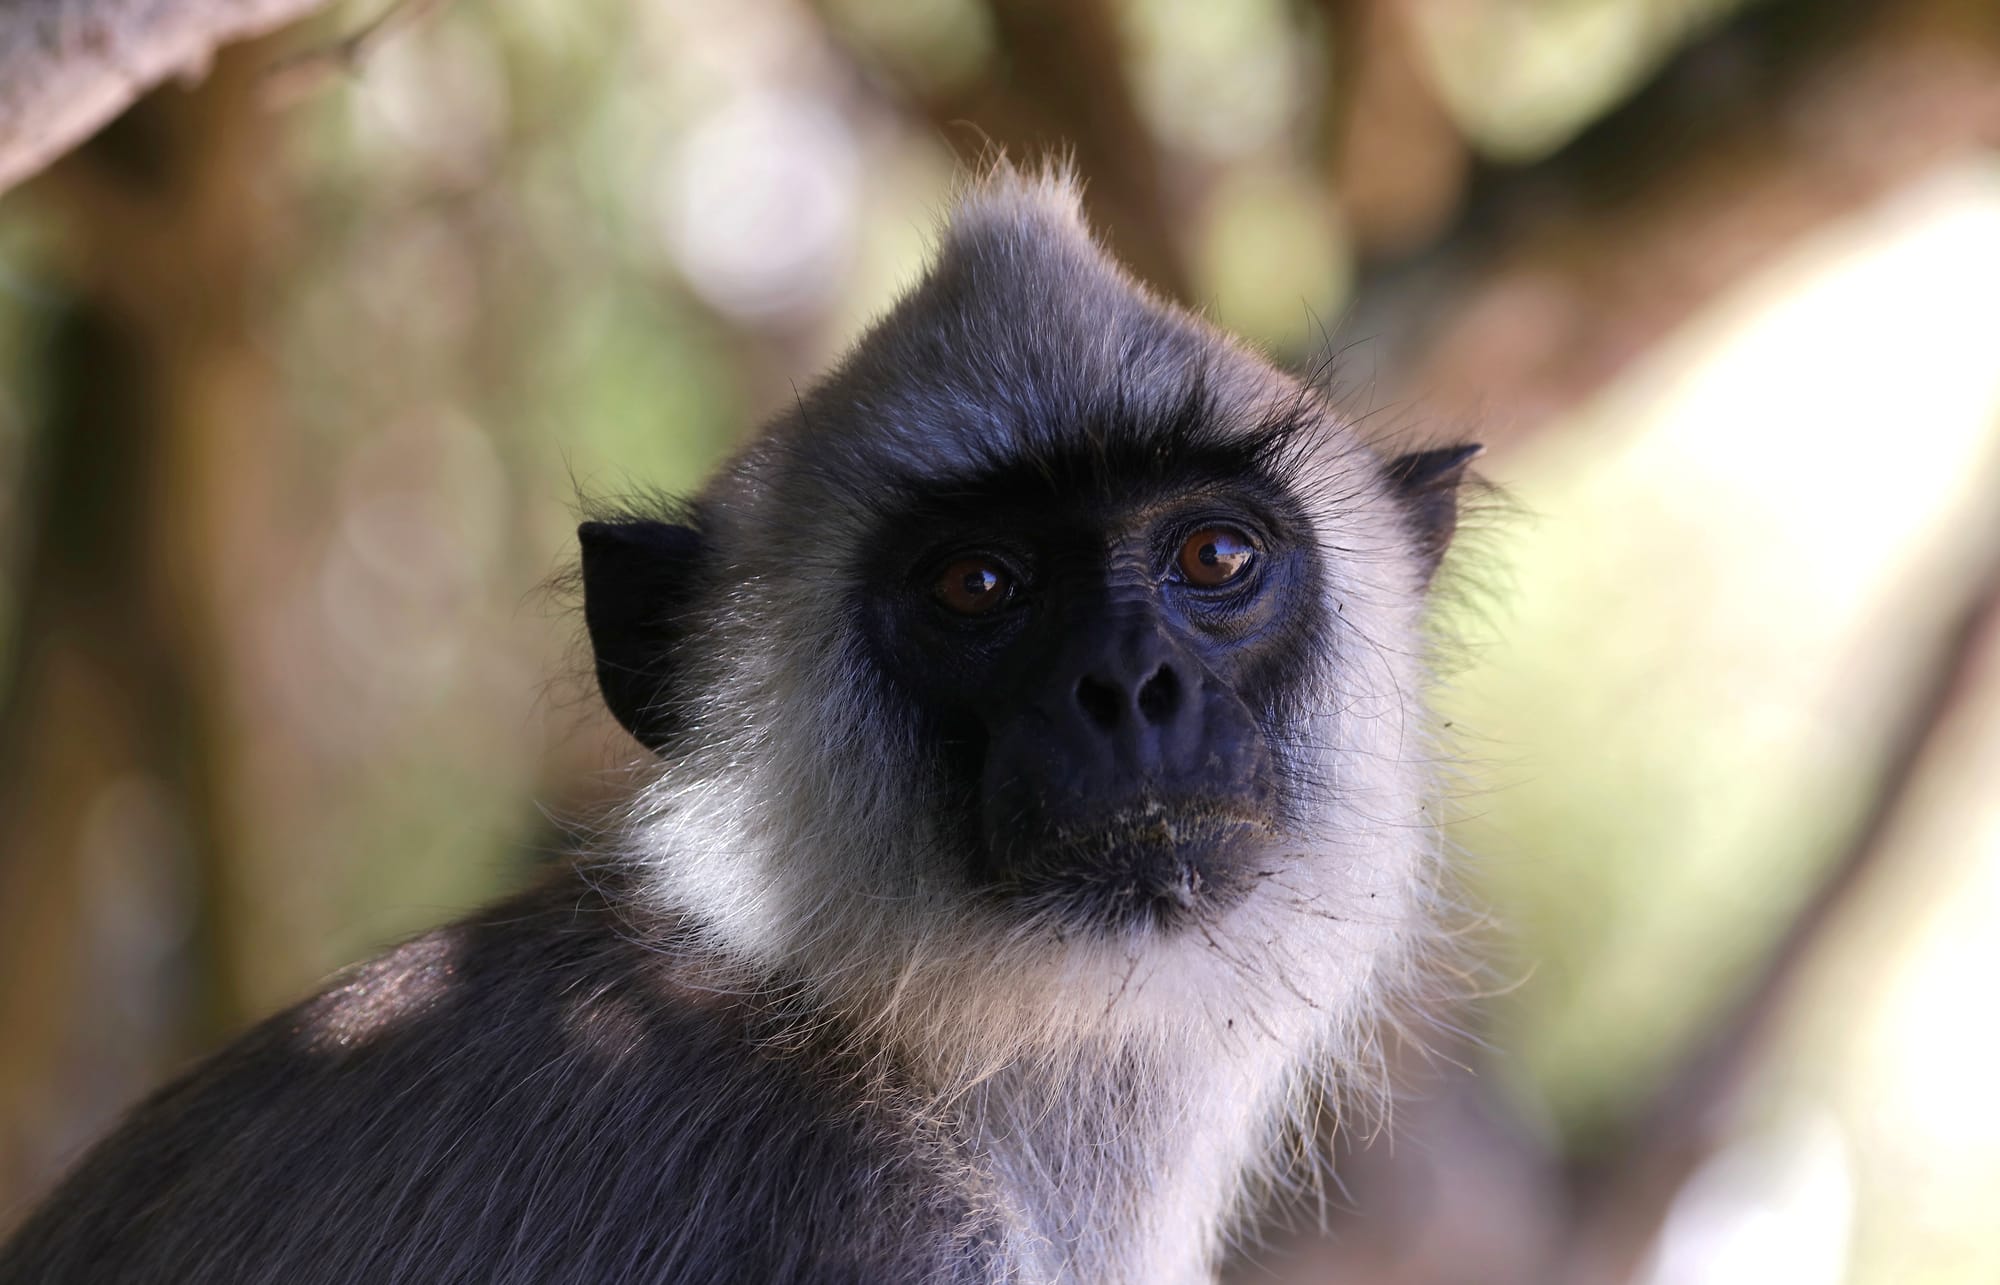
(528, 1096)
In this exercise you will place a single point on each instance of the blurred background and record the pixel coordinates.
(304, 368)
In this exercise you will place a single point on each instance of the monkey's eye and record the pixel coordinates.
(973, 586)
(1214, 556)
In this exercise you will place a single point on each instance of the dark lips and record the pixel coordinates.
(1156, 866)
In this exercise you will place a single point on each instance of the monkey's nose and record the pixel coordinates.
(1128, 707)
(1108, 703)
(1127, 782)
(1130, 699)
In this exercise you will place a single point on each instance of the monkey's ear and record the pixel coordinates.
(1428, 482)
(638, 578)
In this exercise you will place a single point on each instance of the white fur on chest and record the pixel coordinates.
(1130, 1170)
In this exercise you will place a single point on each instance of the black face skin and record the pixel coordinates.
(1102, 657)
(1101, 703)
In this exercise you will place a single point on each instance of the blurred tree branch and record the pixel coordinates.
(68, 66)
(1062, 86)
(1550, 277)
(1620, 1199)
(300, 74)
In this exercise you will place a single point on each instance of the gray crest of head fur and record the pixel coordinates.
(781, 824)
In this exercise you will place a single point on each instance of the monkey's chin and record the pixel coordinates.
(1148, 868)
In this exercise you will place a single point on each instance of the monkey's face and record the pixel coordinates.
(1100, 659)
(1053, 661)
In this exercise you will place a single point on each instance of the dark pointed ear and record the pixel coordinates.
(1427, 482)
(639, 578)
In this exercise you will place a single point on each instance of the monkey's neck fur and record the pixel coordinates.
(1120, 1155)
(1126, 1172)
(1108, 1103)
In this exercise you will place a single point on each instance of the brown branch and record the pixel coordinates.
(69, 66)
(1060, 85)
(1392, 155)
(293, 78)
(1558, 273)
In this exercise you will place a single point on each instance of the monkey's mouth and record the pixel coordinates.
(1149, 867)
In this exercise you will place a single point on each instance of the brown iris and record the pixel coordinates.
(1214, 556)
(973, 586)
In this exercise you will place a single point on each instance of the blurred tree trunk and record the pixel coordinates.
(124, 873)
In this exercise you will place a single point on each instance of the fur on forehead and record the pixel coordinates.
(1025, 340)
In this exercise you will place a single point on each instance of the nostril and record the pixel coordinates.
(1099, 701)
(1160, 696)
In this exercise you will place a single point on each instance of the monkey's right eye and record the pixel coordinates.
(973, 586)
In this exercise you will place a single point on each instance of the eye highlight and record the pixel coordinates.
(1214, 556)
(973, 586)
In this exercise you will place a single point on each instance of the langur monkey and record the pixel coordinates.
(1040, 812)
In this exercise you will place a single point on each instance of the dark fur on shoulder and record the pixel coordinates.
(528, 1096)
